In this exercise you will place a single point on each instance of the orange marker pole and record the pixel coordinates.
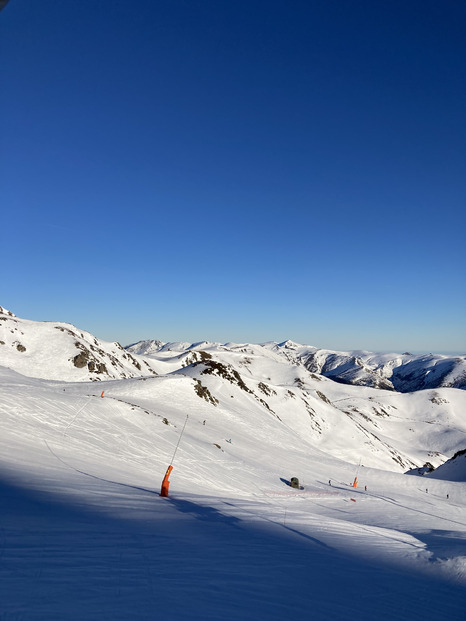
(166, 482)
(102, 393)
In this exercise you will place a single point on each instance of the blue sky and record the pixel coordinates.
(237, 171)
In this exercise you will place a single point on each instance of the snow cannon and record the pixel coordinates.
(294, 482)
(355, 482)
(166, 482)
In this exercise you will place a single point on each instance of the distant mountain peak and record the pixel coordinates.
(288, 344)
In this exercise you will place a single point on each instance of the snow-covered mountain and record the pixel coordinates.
(400, 372)
(397, 431)
(85, 534)
(393, 430)
(61, 351)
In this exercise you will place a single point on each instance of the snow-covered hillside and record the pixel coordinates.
(60, 351)
(85, 534)
(395, 431)
(401, 372)
(452, 470)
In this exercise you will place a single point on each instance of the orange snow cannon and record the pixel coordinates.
(355, 482)
(166, 482)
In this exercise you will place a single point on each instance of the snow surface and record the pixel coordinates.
(84, 533)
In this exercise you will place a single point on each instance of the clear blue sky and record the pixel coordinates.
(237, 170)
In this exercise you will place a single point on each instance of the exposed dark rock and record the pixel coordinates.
(80, 361)
(323, 397)
(203, 392)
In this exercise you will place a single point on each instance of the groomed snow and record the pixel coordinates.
(85, 534)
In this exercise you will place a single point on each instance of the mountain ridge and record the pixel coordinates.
(389, 371)
(392, 430)
(96, 359)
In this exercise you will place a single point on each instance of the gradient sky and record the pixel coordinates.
(237, 171)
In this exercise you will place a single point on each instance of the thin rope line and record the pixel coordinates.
(179, 440)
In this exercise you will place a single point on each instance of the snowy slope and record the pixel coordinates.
(60, 351)
(452, 470)
(393, 431)
(84, 533)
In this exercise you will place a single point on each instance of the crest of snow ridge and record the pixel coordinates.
(60, 351)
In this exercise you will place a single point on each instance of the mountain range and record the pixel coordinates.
(399, 372)
(301, 484)
(398, 409)
(87, 357)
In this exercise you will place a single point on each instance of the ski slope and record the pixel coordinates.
(85, 534)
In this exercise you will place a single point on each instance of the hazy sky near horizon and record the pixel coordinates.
(237, 171)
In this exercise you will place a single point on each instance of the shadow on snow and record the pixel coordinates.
(183, 560)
